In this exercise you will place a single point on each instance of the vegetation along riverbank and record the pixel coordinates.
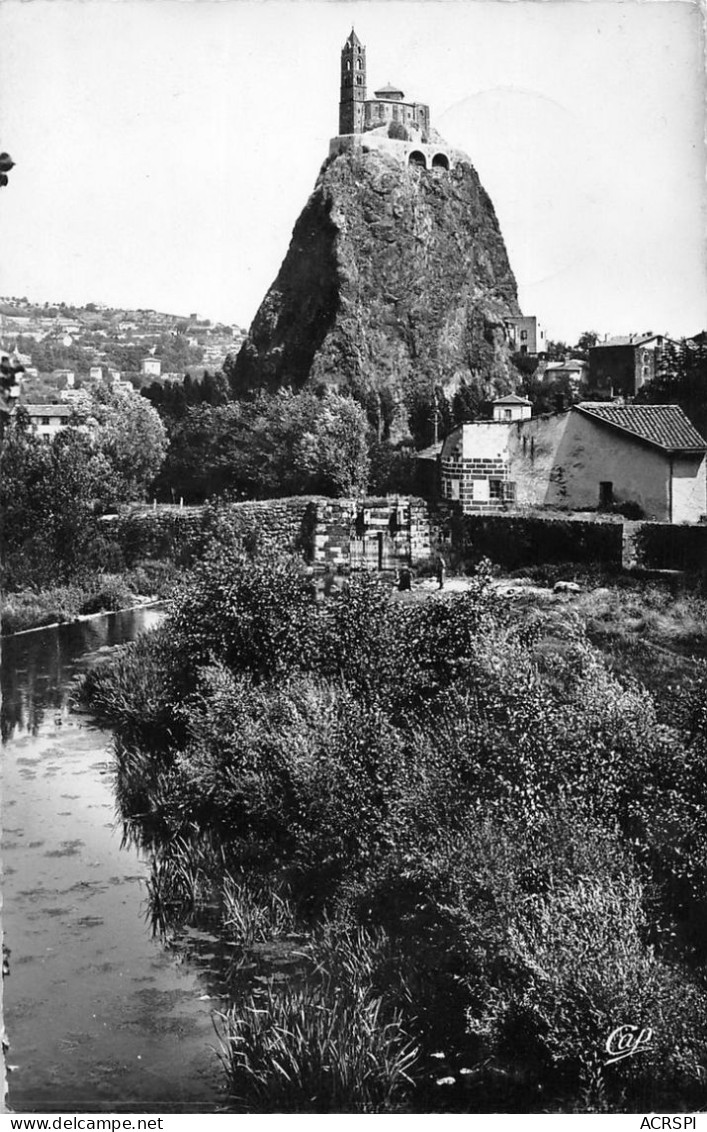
(468, 832)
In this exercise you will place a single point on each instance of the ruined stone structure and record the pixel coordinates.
(388, 122)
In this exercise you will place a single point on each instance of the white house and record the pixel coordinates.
(512, 408)
(593, 457)
(151, 367)
(525, 334)
(48, 420)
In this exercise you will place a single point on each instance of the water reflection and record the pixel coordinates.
(100, 1015)
(38, 667)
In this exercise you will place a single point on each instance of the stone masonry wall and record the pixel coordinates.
(322, 530)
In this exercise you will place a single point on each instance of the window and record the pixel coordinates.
(45, 420)
(507, 414)
(606, 493)
(524, 335)
(501, 491)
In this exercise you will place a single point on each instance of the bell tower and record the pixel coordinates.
(353, 86)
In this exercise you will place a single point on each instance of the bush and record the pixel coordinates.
(577, 968)
(30, 610)
(108, 592)
(397, 131)
(255, 615)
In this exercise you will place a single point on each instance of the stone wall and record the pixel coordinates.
(326, 532)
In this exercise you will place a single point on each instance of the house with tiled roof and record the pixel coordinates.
(47, 420)
(511, 408)
(646, 459)
(573, 370)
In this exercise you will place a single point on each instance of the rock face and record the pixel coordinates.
(396, 284)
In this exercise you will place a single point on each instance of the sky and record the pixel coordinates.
(164, 148)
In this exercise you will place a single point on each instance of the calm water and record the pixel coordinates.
(100, 1016)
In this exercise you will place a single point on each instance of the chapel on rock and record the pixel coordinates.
(386, 122)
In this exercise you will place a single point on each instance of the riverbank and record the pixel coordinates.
(27, 609)
(444, 793)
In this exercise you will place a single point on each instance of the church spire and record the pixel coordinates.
(353, 86)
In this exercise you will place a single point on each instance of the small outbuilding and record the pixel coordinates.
(596, 457)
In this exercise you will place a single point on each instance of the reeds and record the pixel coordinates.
(254, 912)
(315, 1049)
(334, 1042)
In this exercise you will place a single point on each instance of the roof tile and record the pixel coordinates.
(665, 426)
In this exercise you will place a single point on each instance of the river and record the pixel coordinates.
(100, 1015)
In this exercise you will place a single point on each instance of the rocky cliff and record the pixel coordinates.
(396, 282)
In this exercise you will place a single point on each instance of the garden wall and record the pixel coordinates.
(385, 532)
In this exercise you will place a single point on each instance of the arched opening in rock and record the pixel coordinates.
(440, 161)
(417, 158)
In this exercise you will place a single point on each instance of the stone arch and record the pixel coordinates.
(417, 158)
(440, 161)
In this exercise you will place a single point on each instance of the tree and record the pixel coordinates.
(51, 495)
(335, 452)
(132, 436)
(680, 379)
(556, 351)
(585, 342)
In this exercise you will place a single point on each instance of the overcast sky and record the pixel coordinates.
(164, 148)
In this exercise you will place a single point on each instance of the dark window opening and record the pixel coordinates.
(606, 493)
(502, 491)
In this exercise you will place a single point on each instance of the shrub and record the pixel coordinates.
(253, 614)
(397, 131)
(577, 968)
(108, 592)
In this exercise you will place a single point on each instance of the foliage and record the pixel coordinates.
(278, 444)
(523, 828)
(332, 1045)
(397, 131)
(681, 379)
(577, 963)
(31, 610)
(50, 496)
(392, 469)
(132, 438)
(254, 912)
(251, 613)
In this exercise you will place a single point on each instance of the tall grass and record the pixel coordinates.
(254, 912)
(334, 1044)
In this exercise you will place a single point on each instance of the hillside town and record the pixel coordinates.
(58, 347)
